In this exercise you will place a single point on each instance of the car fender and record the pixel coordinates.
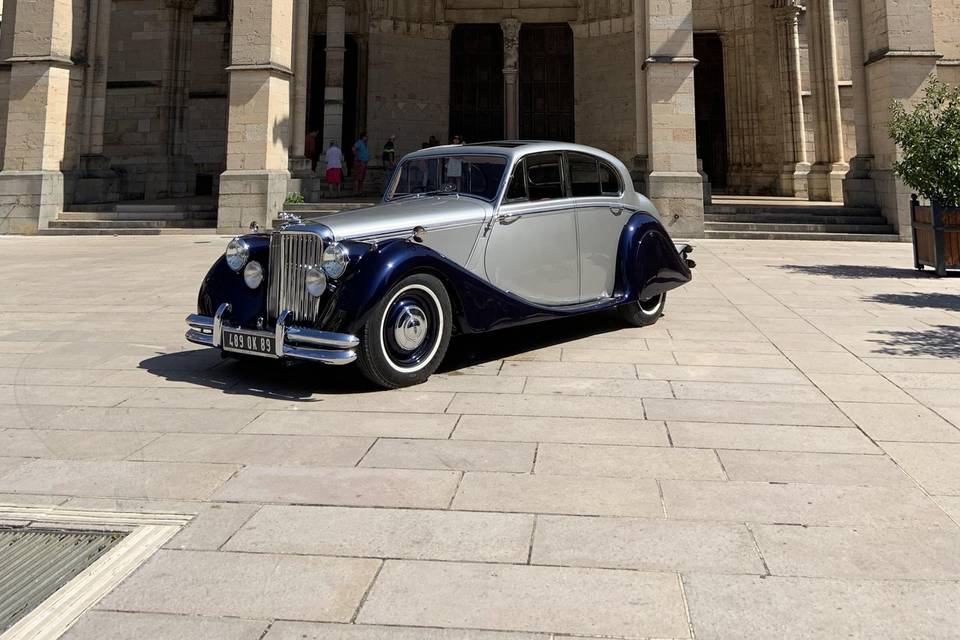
(648, 263)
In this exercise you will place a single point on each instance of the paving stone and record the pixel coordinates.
(951, 414)
(10, 463)
(573, 430)
(213, 526)
(474, 384)
(78, 445)
(748, 392)
(121, 479)
(387, 533)
(631, 356)
(63, 395)
(826, 362)
(713, 346)
(156, 420)
(846, 387)
(903, 422)
(768, 437)
(750, 360)
(646, 545)
(950, 504)
(558, 494)
(720, 374)
(321, 451)
(548, 406)
(50, 377)
(629, 462)
(266, 586)
(569, 370)
(935, 466)
(118, 625)
(460, 455)
(334, 423)
(753, 608)
(936, 398)
(810, 504)
(813, 468)
(910, 365)
(599, 387)
(29, 416)
(825, 415)
(340, 486)
(398, 401)
(283, 630)
(924, 380)
(522, 598)
(865, 552)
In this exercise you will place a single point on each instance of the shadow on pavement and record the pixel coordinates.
(855, 271)
(942, 341)
(918, 300)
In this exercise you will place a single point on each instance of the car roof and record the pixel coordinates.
(513, 149)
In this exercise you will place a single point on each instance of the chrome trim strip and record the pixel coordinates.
(223, 310)
(321, 355)
(280, 333)
(322, 338)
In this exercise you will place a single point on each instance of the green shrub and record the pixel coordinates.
(294, 198)
(929, 140)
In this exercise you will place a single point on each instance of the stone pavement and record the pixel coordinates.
(778, 458)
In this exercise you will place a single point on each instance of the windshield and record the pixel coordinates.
(478, 176)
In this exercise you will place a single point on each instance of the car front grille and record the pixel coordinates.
(292, 254)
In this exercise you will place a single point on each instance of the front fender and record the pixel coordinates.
(648, 261)
(223, 284)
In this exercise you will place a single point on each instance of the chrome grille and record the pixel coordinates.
(291, 255)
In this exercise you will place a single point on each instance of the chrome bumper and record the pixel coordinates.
(298, 343)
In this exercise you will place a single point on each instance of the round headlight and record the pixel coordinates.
(316, 282)
(237, 254)
(335, 260)
(253, 274)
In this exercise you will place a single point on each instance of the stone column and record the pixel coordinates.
(333, 91)
(253, 187)
(511, 68)
(6, 52)
(639, 169)
(858, 186)
(299, 163)
(897, 63)
(675, 185)
(31, 183)
(794, 170)
(826, 175)
(179, 175)
(96, 181)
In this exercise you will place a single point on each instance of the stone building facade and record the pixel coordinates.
(108, 100)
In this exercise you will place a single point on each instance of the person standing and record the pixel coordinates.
(361, 156)
(334, 169)
(389, 157)
(310, 149)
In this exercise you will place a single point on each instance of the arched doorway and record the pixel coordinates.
(476, 82)
(710, 108)
(546, 82)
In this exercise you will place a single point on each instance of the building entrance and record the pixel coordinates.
(476, 82)
(546, 82)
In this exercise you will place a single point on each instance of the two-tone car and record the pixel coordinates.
(467, 239)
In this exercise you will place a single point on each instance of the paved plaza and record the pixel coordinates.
(779, 457)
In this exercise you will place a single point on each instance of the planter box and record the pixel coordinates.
(936, 236)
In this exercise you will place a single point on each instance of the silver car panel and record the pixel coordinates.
(599, 222)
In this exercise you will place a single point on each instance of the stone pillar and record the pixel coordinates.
(858, 186)
(253, 187)
(31, 183)
(826, 175)
(96, 181)
(6, 52)
(639, 169)
(299, 163)
(675, 186)
(896, 64)
(511, 67)
(179, 172)
(794, 170)
(333, 91)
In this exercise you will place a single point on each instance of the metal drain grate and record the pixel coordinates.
(34, 563)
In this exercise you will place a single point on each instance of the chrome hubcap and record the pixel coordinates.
(410, 329)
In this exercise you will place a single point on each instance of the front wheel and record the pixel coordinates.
(643, 313)
(407, 335)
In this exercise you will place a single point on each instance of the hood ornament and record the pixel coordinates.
(289, 218)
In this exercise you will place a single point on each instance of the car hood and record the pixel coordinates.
(401, 216)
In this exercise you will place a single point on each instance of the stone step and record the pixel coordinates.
(793, 218)
(798, 228)
(126, 207)
(786, 235)
(792, 209)
(102, 231)
(133, 224)
(138, 215)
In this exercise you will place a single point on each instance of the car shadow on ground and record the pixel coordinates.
(300, 381)
(855, 271)
(942, 341)
(918, 300)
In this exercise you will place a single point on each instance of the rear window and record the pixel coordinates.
(545, 176)
(584, 176)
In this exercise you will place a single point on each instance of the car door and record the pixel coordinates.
(596, 190)
(532, 246)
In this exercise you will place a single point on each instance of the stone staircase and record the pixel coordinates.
(792, 221)
(126, 218)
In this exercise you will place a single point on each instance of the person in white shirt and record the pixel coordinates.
(334, 169)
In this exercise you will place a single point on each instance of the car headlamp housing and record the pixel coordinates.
(335, 260)
(237, 254)
(253, 274)
(316, 282)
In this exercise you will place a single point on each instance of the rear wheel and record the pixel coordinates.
(643, 313)
(407, 335)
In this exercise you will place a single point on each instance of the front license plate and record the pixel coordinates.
(247, 342)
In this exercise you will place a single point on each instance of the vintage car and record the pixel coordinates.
(467, 239)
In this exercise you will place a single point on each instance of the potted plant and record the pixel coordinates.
(929, 140)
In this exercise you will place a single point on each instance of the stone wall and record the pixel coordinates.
(605, 87)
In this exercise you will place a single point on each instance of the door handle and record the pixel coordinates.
(507, 218)
(616, 210)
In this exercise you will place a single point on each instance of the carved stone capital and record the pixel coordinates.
(511, 42)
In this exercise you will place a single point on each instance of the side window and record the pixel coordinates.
(584, 176)
(545, 176)
(609, 180)
(517, 189)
